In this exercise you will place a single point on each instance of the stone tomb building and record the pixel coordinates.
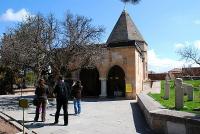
(124, 66)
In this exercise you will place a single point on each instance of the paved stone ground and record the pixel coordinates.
(154, 89)
(99, 116)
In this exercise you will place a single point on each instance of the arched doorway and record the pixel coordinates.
(116, 82)
(90, 81)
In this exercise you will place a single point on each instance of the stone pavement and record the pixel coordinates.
(154, 89)
(99, 116)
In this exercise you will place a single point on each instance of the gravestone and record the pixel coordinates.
(179, 93)
(190, 92)
(167, 88)
(185, 88)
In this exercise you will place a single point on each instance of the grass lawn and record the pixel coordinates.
(189, 106)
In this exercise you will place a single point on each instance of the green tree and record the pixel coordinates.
(6, 80)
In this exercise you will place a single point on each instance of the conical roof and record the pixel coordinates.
(125, 30)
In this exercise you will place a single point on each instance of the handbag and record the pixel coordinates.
(35, 101)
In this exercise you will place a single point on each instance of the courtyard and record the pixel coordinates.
(100, 116)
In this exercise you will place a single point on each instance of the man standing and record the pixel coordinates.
(61, 91)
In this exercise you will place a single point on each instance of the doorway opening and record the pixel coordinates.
(116, 82)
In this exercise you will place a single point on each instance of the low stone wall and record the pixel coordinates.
(15, 124)
(164, 121)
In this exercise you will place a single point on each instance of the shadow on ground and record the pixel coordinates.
(37, 125)
(140, 123)
(97, 99)
(9, 103)
(12, 102)
(69, 114)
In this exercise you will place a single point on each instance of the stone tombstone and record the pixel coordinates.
(167, 88)
(190, 92)
(185, 88)
(179, 94)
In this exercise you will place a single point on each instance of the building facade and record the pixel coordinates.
(123, 69)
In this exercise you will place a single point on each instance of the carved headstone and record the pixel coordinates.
(179, 93)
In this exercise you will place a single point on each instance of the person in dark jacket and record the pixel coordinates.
(61, 91)
(76, 92)
(70, 83)
(41, 93)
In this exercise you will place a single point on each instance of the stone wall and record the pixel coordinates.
(192, 71)
(158, 76)
(164, 121)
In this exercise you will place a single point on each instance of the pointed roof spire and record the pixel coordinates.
(125, 30)
(124, 7)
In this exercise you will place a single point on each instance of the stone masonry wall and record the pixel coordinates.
(164, 121)
(127, 58)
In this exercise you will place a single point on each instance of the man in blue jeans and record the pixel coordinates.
(76, 92)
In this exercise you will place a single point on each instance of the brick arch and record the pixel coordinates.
(116, 81)
(121, 66)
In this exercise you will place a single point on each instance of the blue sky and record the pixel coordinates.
(166, 25)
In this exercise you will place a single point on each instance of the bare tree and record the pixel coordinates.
(77, 45)
(190, 54)
(40, 42)
(131, 1)
(27, 46)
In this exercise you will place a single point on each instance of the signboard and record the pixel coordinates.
(23, 103)
(128, 88)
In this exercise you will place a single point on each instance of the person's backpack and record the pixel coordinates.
(64, 90)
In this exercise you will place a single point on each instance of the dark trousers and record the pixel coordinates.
(41, 104)
(64, 104)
